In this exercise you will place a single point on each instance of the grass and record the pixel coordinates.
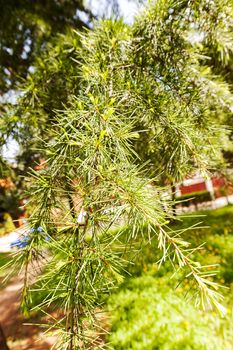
(149, 314)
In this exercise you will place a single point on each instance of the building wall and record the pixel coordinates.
(197, 187)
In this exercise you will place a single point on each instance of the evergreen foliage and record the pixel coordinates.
(28, 29)
(174, 63)
(143, 94)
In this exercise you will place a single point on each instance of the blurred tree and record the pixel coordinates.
(26, 26)
(26, 29)
(217, 51)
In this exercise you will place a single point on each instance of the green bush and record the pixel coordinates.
(10, 202)
(6, 224)
(194, 198)
(148, 315)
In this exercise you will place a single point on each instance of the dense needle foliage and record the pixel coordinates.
(143, 94)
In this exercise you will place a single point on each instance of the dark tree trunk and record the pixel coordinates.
(173, 189)
(3, 344)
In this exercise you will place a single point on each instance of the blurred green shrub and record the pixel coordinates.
(10, 202)
(6, 224)
(194, 198)
(147, 315)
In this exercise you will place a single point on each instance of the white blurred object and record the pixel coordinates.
(82, 217)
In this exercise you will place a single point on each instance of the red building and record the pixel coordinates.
(217, 186)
